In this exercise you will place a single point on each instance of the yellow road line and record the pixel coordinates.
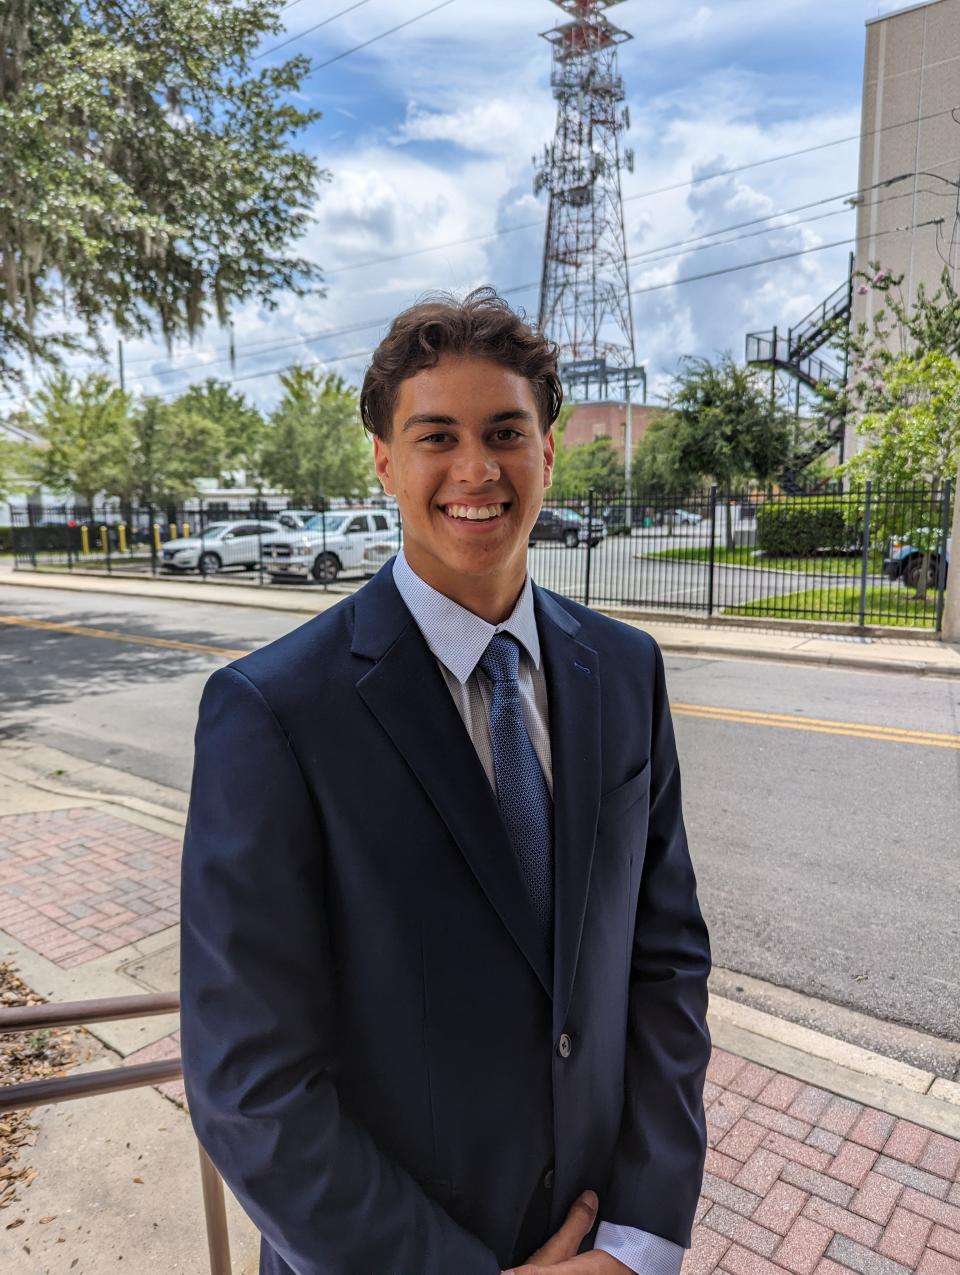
(137, 639)
(820, 726)
(706, 712)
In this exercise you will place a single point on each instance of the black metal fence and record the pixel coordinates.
(875, 556)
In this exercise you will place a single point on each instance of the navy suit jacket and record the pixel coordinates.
(370, 1021)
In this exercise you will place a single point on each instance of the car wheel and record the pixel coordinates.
(209, 564)
(326, 568)
(911, 575)
(571, 539)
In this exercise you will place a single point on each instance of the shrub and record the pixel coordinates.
(804, 526)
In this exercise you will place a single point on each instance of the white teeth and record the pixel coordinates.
(474, 514)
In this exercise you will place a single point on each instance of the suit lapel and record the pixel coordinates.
(406, 692)
(573, 689)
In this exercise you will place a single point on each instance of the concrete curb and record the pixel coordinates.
(827, 1065)
(946, 666)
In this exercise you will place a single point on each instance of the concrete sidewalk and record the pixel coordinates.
(841, 646)
(824, 1158)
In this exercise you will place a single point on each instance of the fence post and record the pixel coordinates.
(865, 561)
(201, 561)
(586, 581)
(33, 536)
(942, 556)
(713, 548)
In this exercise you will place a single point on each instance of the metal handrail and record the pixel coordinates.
(37, 1093)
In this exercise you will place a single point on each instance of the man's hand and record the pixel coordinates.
(559, 1255)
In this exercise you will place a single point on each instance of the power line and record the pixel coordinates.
(309, 31)
(650, 256)
(318, 66)
(657, 287)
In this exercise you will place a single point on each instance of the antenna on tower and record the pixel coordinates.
(585, 286)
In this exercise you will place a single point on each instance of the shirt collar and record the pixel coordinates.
(455, 635)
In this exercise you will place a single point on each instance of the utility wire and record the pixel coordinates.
(649, 256)
(674, 283)
(309, 31)
(318, 66)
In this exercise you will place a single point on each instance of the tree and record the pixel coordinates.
(170, 448)
(87, 428)
(314, 446)
(148, 174)
(240, 424)
(587, 466)
(915, 439)
(930, 325)
(722, 427)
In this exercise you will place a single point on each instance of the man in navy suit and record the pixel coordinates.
(444, 973)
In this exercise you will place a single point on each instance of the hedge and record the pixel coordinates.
(801, 527)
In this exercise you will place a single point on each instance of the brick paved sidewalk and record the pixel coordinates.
(78, 883)
(800, 1181)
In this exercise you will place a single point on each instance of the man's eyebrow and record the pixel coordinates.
(438, 418)
(427, 418)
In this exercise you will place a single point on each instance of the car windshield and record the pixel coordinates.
(326, 522)
(569, 515)
(215, 530)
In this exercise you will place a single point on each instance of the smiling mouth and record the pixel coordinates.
(475, 513)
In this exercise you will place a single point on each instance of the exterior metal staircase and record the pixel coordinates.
(795, 352)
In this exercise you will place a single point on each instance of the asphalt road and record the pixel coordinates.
(827, 863)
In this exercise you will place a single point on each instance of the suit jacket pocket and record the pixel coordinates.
(619, 800)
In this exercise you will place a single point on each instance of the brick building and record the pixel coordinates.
(590, 421)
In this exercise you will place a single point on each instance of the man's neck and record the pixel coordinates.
(492, 598)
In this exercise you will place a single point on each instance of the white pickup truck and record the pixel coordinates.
(355, 540)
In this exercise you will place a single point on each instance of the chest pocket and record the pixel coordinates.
(623, 815)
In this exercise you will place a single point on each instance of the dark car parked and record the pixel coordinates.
(567, 527)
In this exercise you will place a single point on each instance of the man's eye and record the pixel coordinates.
(506, 435)
(434, 438)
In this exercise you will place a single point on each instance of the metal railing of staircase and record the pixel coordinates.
(40, 1093)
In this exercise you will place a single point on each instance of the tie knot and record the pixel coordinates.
(501, 660)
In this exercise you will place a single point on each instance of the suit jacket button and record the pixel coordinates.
(548, 1180)
(564, 1046)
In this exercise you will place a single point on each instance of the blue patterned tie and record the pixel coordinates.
(521, 788)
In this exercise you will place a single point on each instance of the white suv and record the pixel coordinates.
(339, 540)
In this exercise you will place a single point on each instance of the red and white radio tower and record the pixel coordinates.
(585, 287)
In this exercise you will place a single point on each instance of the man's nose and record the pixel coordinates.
(475, 463)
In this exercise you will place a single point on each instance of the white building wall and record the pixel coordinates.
(911, 84)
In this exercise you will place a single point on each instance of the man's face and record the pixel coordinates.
(468, 463)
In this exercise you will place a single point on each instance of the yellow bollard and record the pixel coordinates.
(85, 539)
(186, 529)
(173, 531)
(103, 539)
(122, 537)
(157, 542)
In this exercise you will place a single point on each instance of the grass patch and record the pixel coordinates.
(895, 607)
(744, 556)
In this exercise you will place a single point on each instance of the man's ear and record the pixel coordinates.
(549, 456)
(382, 464)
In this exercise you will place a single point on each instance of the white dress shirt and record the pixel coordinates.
(457, 638)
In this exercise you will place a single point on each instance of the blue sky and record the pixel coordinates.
(428, 136)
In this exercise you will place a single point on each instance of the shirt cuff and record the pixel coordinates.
(645, 1254)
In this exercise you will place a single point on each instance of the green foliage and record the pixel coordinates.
(17, 464)
(801, 527)
(240, 425)
(593, 465)
(170, 448)
(721, 427)
(898, 329)
(914, 438)
(86, 426)
(314, 445)
(148, 173)
(101, 442)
